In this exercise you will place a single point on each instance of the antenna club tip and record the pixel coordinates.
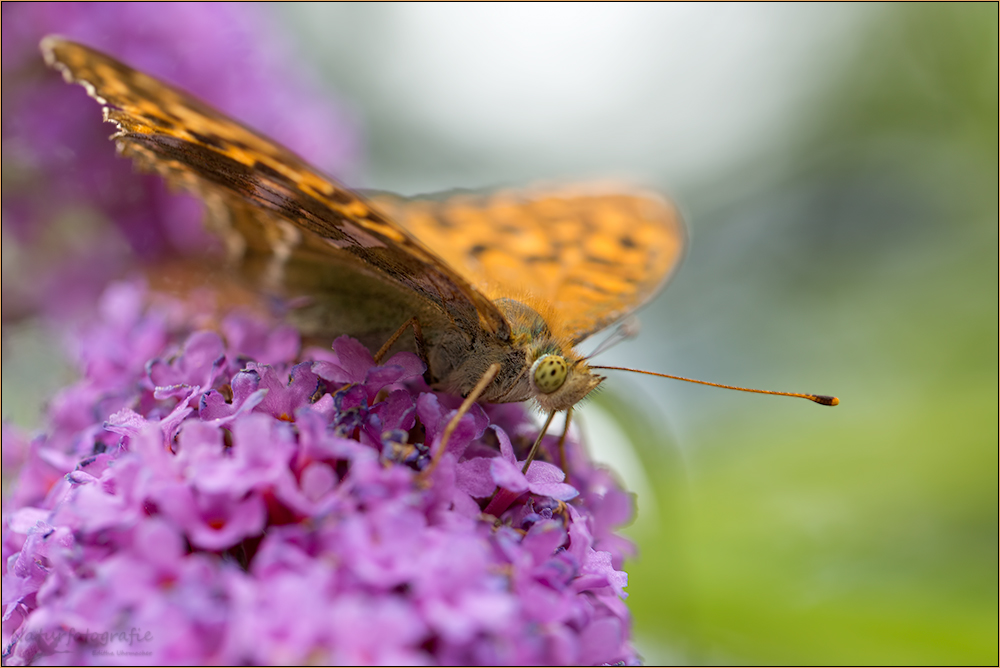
(825, 400)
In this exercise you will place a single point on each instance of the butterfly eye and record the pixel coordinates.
(550, 373)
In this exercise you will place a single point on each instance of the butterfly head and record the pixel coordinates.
(559, 382)
(556, 377)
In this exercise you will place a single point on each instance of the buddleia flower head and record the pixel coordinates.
(221, 496)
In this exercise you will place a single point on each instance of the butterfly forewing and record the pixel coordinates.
(271, 198)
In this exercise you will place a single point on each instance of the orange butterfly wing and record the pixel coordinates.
(582, 256)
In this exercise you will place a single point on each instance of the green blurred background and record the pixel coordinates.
(837, 167)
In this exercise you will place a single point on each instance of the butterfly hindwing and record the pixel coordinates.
(586, 256)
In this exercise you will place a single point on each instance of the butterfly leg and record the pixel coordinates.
(418, 335)
(538, 441)
(449, 429)
(563, 464)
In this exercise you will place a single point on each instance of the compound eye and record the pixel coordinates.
(550, 373)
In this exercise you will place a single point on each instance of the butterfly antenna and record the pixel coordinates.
(818, 398)
(628, 329)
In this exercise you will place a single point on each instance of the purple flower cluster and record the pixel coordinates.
(61, 174)
(207, 498)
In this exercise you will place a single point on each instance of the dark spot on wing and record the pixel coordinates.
(534, 259)
(160, 122)
(341, 196)
(478, 250)
(273, 174)
(587, 284)
(207, 140)
(444, 221)
(599, 260)
(627, 241)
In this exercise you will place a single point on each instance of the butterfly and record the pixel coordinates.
(499, 288)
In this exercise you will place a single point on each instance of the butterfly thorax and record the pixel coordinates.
(533, 363)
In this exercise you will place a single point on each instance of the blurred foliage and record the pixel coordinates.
(864, 534)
